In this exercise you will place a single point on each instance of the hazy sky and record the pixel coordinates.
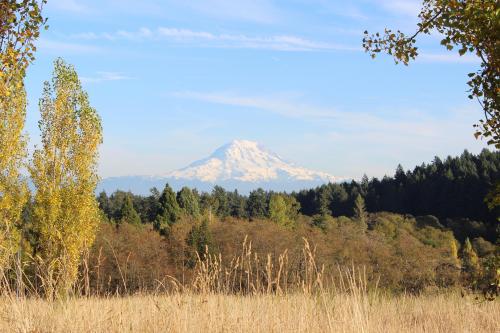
(175, 79)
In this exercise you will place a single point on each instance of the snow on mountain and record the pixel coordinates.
(246, 161)
(240, 164)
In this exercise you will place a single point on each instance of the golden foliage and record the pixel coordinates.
(13, 190)
(20, 23)
(19, 27)
(66, 213)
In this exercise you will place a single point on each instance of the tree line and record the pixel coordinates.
(451, 190)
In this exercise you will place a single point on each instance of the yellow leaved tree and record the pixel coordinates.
(13, 189)
(65, 213)
(20, 23)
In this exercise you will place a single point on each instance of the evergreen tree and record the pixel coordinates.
(237, 204)
(221, 200)
(454, 187)
(199, 239)
(188, 202)
(400, 175)
(306, 198)
(208, 205)
(169, 211)
(127, 212)
(103, 201)
(338, 200)
(364, 186)
(152, 205)
(323, 201)
(257, 204)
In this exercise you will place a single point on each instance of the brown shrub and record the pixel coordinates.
(396, 253)
(128, 258)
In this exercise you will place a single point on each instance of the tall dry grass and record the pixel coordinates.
(252, 294)
(188, 312)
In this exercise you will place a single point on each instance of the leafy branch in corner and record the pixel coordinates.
(469, 25)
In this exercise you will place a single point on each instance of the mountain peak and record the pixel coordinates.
(243, 150)
(240, 164)
(247, 161)
(242, 143)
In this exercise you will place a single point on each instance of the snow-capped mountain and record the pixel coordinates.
(246, 161)
(241, 164)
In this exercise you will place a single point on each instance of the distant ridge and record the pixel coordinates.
(241, 164)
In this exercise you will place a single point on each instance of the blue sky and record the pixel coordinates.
(175, 79)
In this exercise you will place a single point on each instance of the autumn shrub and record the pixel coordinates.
(395, 253)
(128, 258)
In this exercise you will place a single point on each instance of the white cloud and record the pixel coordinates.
(185, 33)
(143, 33)
(105, 76)
(281, 106)
(288, 106)
(224, 40)
(407, 126)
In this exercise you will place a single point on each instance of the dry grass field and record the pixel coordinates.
(185, 312)
(247, 297)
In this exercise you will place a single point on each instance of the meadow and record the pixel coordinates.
(250, 293)
(298, 312)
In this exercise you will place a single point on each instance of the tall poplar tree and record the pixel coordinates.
(20, 23)
(63, 170)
